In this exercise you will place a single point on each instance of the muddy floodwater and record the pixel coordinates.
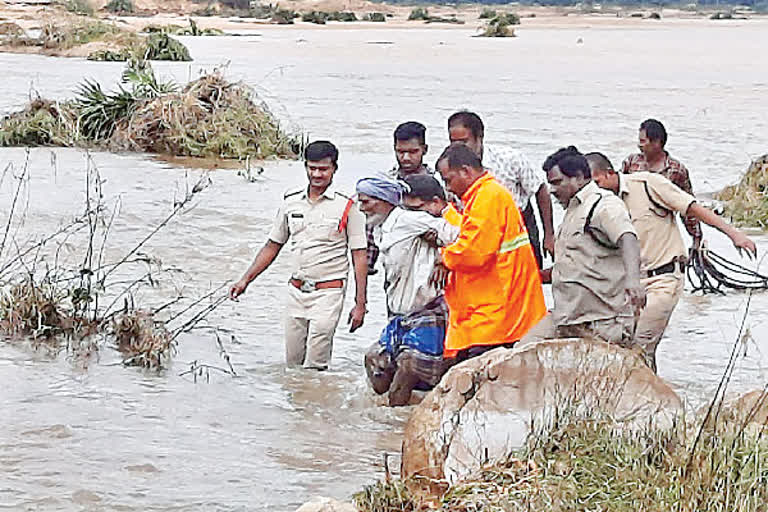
(112, 438)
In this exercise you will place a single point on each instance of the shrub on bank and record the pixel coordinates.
(747, 203)
(120, 6)
(317, 17)
(81, 7)
(487, 14)
(210, 117)
(419, 13)
(378, 17)
(499, 26)
(343, 16)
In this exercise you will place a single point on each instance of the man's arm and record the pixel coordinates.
(630, 253)
(544, 202)
(681, 177)
(360, 267)
(739, 239)
(263, 260)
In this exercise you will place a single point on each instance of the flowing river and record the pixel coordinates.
(106, 437)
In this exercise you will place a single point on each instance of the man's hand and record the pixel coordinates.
(741, 242)
(548, 245)
(636, 296)
(356, 317)
(431, 238)
(439, 275)
(238, 289)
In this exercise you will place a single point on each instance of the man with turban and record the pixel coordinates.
(409, 354)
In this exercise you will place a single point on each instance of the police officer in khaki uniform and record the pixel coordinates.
(596, 274)
(322, 226)
(653, 202)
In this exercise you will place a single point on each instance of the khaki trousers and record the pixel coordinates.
(310, 322)
(662, 295)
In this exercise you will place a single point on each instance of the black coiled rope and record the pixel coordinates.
(709, 272)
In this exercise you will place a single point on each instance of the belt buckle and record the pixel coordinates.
(307, 286)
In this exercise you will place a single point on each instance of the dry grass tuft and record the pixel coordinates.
(143, 340)
(210, 117)
(747, 202)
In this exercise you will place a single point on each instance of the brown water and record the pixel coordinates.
(110, 438)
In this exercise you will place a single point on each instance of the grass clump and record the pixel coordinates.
(120, 6)
(59, 37)
(316, 17)
(419, 13)
(589, 464)
(377, 17)
(177, 30)
(343, 16)
(210, 117)
(81, 7)
(487, 14)
(499, 26)
(747, 202)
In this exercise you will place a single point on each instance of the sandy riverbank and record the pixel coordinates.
(33, 16)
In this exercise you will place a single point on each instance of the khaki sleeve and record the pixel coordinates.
(356, 236)
(279, 232)
(669, 195)
(612, 218)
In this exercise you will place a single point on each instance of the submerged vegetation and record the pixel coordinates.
(747, 203)
(209, 117)
(59, 292)
(587, 464)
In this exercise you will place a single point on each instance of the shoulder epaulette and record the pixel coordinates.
(345, 196)
(292, 192)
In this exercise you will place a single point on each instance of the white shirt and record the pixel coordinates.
(408, 259)
(513, 170)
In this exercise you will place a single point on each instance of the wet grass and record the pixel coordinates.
(587, 464)
(747, 202)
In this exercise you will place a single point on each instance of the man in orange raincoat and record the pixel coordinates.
(494, 291)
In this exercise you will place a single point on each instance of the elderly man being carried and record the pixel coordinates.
(409, 353)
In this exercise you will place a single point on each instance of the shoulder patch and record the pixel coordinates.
(292, 192)
(345, 196)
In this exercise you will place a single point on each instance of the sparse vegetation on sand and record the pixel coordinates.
(747, 202)
(419, 13)
(209, 117)
(191, 29)
(501, 26)
(118, 44)
(378, 17)
(81, 7)
(590, 464)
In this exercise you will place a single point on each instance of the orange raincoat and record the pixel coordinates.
(494, 292)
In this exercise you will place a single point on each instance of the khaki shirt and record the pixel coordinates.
(319, 248)
(588, 279)
(653, 201)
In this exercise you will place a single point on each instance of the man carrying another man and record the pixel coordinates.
(653, 202)
(410, 352)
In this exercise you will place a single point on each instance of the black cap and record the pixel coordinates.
(424, 187)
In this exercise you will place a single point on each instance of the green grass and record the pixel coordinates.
(587, 464)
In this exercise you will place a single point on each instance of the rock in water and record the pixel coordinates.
(326, 505)
(484, 408)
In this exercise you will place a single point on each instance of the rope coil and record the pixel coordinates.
(709, 272)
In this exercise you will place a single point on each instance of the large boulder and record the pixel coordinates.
(485, 407)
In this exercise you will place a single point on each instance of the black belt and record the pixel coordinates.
(667, 269)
